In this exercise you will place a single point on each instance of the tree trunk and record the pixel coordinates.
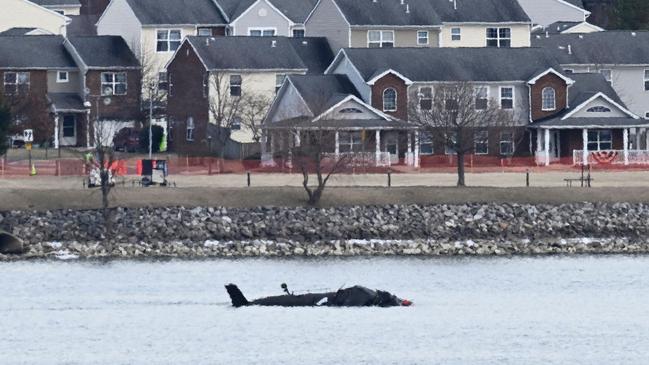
(314, 198)
(460, 169)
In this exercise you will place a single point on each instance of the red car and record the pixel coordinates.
(127, 140)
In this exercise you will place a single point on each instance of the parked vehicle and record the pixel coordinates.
(127, 139)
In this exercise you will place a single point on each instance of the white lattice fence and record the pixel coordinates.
(362, 158)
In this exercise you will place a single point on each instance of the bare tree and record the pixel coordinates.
(253, 110)
(460, 116)
(226, 102)
(103, 157)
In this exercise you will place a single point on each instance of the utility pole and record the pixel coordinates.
(151, 91)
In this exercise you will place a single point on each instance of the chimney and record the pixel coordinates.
(273, 43)
(569, 49)
(581, 36)
(407, 8)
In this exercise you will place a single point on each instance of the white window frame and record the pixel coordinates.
(16, 84)
(598, 141)
(426, 36)
(236, 124)
(298, 29)
(509, 142)
(261, 31)
(448, 150)
(381, 40)
(73, 126)
(548, 108)
(396, 98)
(513, 98)
(420, 97)
(60, 80)
(607, 73)
(240, 86)
(189, 131)
(499, 39)
(350, 141)
(199, 29)
(424, 140)
(646, 79)
(168, 40)
(475, 102)
(646, 115)
(113, 84)
(481, 142)
(602, 109)
(456, 36)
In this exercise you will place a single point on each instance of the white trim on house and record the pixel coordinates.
(173, 57)
(500, 96)
(67, 19)
(356, 99)
(234, 21)
(390, 71)
(602, 95)
(337, 7)
(60, 80)
(568, 80)
(591, 26)
(262, 29)
(586, 12)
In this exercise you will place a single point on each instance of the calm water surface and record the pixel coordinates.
(555, 310)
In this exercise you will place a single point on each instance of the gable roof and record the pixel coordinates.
(577, 3)
(177, 12)
(588, 84)
(261, 53)
(82, 25)
(483, 11)
(604, 48)
(452, 64)
(104, 52)
(57, 3)
(295, 10)
(34, 52)
(321, 92)
(17, 31)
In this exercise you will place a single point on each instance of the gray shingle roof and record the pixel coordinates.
(296, 10)
(234, 8)
(577, 3)
(321, 92)
(556, 27)
(82, 25)
(34, 52)
(63, 102)
(430, 12)
(613, 122)
(588, 84)
(453, 64)
(608, 48)
(104, 51)
(54, 3)
(258, 53)
(177, 12)
(16, 31)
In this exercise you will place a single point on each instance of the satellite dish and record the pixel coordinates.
(106, 101)
(108, 91)
(86, 90)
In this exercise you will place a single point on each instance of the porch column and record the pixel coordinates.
(337, 144)
(638, 139)
(298, 141)
(56, 131)
(584, 139)
(539, 141)
(271, 142)
(88, 129)
(547, 147)
(416, 148)
(378, 147)
(410, 156)
(264, 140)
(646, 137)
(625, 141)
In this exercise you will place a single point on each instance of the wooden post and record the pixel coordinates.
(527, 178)
(389, 178)
(209, 166)
(547, 147)
(584, 152)
(625, 138)
(248, 173)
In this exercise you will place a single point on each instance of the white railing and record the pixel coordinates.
(362, 158)
(612, 157)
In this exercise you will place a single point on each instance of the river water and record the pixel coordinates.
(551, 310)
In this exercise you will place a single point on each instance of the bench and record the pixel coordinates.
(569, 181)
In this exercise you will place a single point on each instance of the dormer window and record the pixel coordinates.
(598, 109)
(549, 99)
(456, 34)
(389, 100)
(168, 40)
(380, 39)
(422, 37)
(350, 111)
(499, 37)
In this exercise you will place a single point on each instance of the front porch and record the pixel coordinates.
(71, 121)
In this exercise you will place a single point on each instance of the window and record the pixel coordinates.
(261, 32)
(646, 80)
(481, 97)
(69, 126)
(499, 37)
(456, 34)
(425, 98)
(549, 101)
(350, 111)
(451, 141)
(206, 85)
(380, 39)
(426, 144)
(60, 12)
(279, 80)
(113, 83)
(506, 143)
(62, 77)
(506, 98)
(569, 71)
(600, 140)
(163, 84)
(598, 109)
(350, 142)
(607, 75)
(204, 32)
(646, 115)
(389, 100)
(422, 37)
(298, 33)
(16, 82)
(481, 142)
(190, 129)
(168, 40)
(235, 85)
(236, 124)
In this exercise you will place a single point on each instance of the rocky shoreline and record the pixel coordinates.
(426, 230)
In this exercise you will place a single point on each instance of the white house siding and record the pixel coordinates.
(582, 28)
(327, 21)
(402, 37)
(546, 12)
(72, 86)
(149, 56)
(475, 35)
(366, 113)
(627, 81)
(289, 105)
(25, 14)
(344, 67)
(583, 112)
(119, 19)
(261, 15)
(73, 10)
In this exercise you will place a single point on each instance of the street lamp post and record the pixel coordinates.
(152, 90)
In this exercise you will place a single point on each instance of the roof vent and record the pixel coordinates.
(375, 1)
(273, 43)
(407, 8)
(633, 34)
(304, 43)
(207, 42)
(581, 36)
(403, 2)
(454, 4)
(547, 34)
(538, 36)
(569, 49)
